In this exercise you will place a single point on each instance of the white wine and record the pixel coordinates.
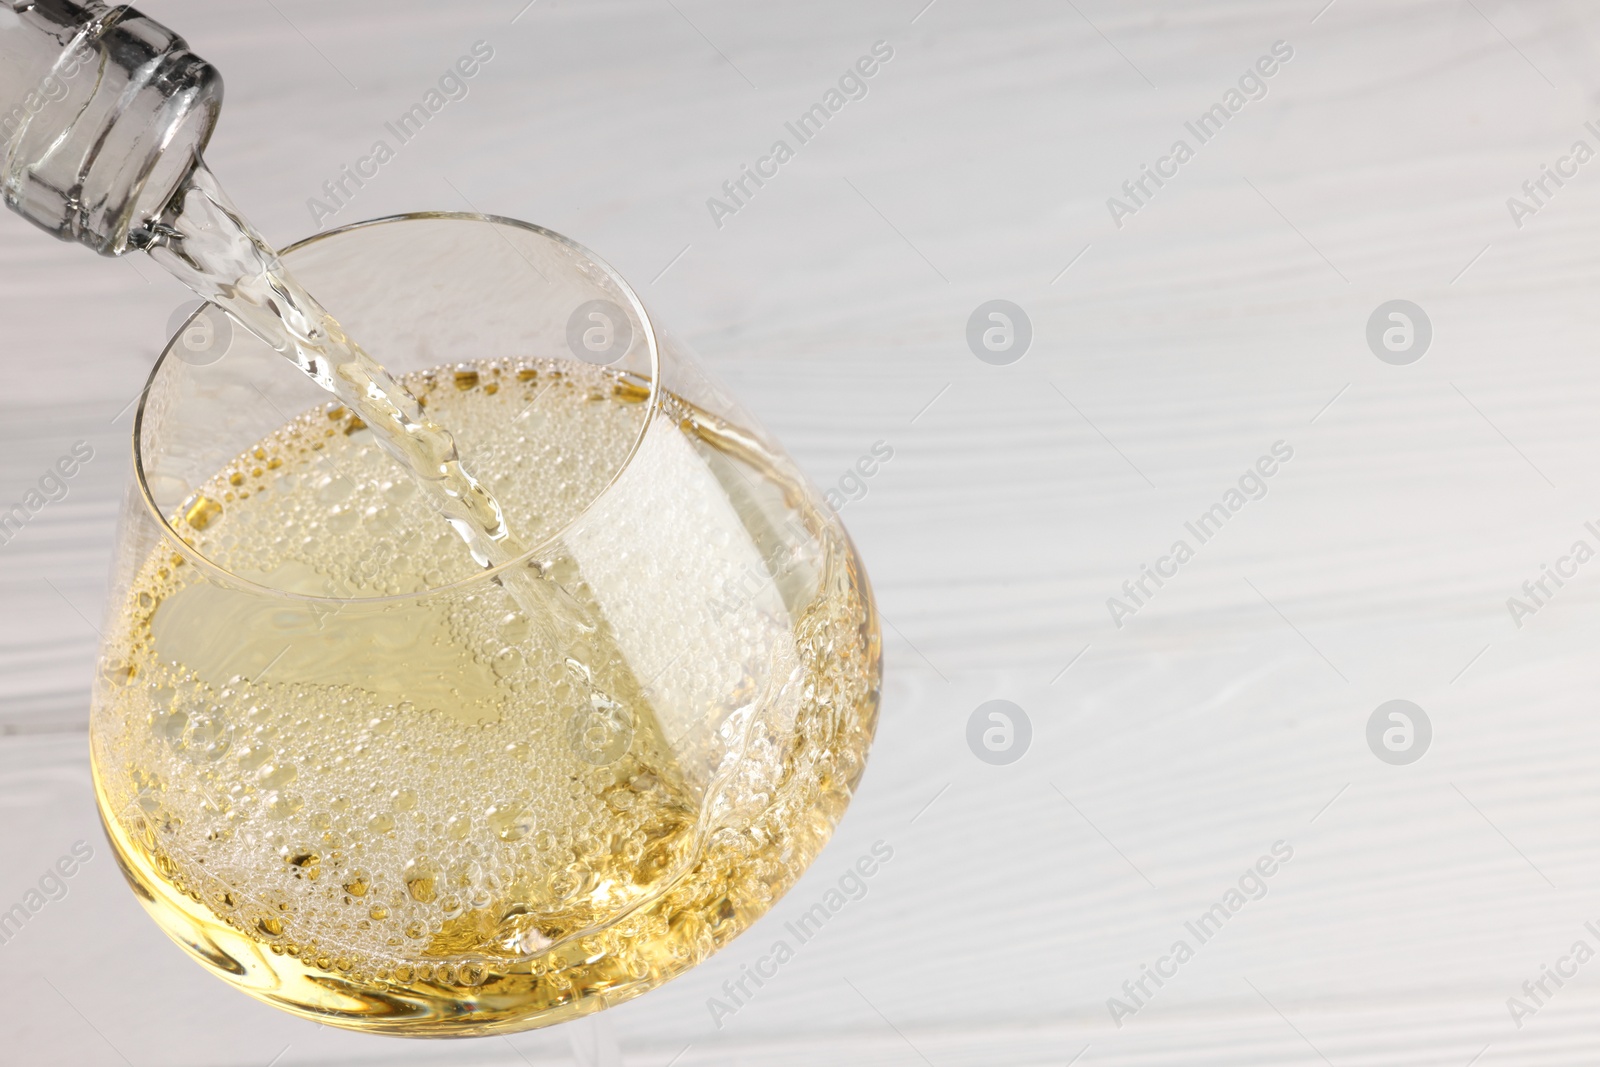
(365, 783)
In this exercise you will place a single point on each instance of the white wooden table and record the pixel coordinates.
(1227, 313)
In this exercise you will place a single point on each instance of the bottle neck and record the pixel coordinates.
(103, 113)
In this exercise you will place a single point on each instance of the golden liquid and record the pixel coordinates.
(426, 813)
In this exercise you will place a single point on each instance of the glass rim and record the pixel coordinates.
(651, 407)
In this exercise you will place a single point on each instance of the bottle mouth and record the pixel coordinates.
(180, 117)
(108, 136)
(167, 378)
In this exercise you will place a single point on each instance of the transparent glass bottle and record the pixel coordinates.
(103, 113)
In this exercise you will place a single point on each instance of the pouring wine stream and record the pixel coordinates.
(208, 245)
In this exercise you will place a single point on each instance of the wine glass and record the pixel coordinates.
(366, 780)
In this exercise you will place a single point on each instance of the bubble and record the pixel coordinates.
(305, 863)
(207, 735)
(399, 491)
(169, 724)
(510, 822)
(421, 877)
(601, 733)
(199, 511)
(507, 661)
(513, 628)
(283, 805)
(277, 775)
(333, 488)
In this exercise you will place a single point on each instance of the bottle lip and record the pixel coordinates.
(651, 408)
(185, 111)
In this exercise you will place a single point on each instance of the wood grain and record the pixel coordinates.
(1227, 314)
